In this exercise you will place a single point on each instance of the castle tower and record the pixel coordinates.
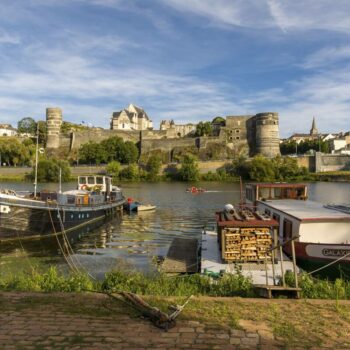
(267, 134)
(313, 130)
(53, 127)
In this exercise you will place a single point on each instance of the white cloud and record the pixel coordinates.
(286, 15)
(6, 38)
(326, 56)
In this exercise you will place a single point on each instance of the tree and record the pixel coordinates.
(261, 170)
(127, 153)
(91, 153)
(239, 167)
(189, 169)
(131, 172)
(153, 166)
(42, 131)
(203, 129)
(219, 120)
(13, 152)
(112, 147)
(116, 149)
(49, 170)
(113, 168)
(27, 125)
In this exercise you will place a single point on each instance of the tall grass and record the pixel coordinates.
(227, 285)
(182, 285)
(314, 288)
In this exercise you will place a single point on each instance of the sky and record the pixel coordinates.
(187, 60)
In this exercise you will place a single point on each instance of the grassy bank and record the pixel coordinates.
(161, 285)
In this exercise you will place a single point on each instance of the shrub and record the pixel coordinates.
(189, 169)
(49, 171)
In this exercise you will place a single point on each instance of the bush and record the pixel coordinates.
(131, 172)
(189, 169)
(153, 166)
(49, 171)
(113, 169)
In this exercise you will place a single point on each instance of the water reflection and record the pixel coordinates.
(137, 239)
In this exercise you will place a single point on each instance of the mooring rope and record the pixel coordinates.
(331, 263)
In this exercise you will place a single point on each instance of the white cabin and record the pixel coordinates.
(312, 221)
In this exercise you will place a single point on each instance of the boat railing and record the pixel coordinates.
(279, 246)
(52, 204)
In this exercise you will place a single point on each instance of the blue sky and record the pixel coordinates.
(188, 60)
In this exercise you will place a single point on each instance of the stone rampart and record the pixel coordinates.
(331, 162)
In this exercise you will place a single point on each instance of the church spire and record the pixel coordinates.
(313, 130)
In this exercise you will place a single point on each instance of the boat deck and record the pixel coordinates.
(182, 256)
(211, 262)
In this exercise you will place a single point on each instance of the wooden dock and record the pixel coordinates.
(182, 256)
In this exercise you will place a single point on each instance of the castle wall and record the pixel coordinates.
(166, 145)
(331, 162)
(245, 135)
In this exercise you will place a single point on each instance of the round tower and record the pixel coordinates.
(53, 127)
(267, 134)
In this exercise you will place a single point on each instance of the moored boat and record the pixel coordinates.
(47, 212)
(322, 231)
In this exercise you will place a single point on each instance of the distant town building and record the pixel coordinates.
(7, 130)
(313, 135)
(179, 130)
(131, 118)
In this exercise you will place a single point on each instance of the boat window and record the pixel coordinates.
(91, 180)
(99, 180)
(277, 193)
(264, 192)
(82, 180)
(287, 229)
(276, 217)
(268, 212)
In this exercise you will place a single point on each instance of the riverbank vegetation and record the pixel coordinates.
(227, 285)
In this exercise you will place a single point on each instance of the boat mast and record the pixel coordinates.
(60, 182)
(36, 159)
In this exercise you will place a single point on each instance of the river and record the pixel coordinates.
(134, 242)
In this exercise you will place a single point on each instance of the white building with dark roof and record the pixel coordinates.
(7, 130)
(131, 118)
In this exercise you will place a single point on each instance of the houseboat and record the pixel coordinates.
(44, 213)
(323, 231)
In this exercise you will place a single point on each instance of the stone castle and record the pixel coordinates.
(246, 135)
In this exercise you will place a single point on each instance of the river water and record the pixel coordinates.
(138, 239)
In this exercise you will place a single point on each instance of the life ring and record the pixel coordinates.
(84, 187)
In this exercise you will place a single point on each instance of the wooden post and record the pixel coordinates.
(267, 278)
(294, 265)
(273, 266)
(282, 269)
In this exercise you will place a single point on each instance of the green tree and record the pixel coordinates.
(113, 169)
(27, 125)
(112, 147)
(239, 167)
(203, 129)
(42, 131)
(131, 172)
(189, 169)
(153, 166)
(49, 170)
(92, 153)
(219, 120)
(128, 153)
(261, 170)
(13, 152)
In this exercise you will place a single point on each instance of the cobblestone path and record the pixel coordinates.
(49, 321)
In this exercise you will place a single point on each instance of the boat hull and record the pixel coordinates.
(314, 256)
(29, 222)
